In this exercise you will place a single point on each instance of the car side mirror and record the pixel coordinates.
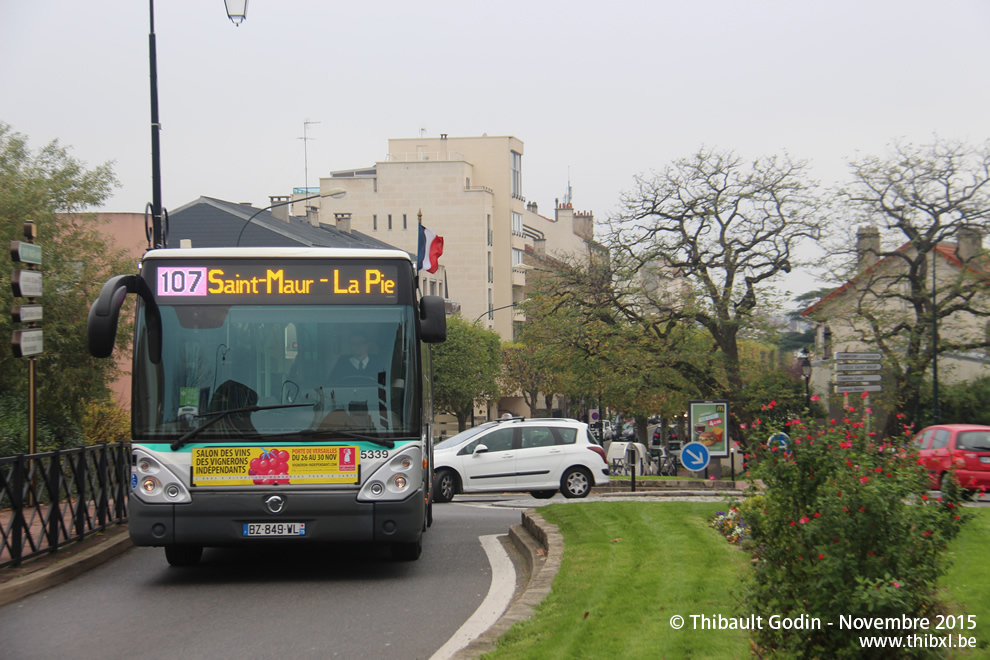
(481, 449)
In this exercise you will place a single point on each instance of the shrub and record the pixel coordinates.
(845, 528)
(50, 433)
(105, 421)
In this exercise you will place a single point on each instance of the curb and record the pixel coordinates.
(542, 547)
(63, 571)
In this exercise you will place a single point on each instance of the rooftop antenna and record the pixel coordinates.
(422, 132)
(567, 197)
(305, 138)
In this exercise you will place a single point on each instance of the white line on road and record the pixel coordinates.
(498, 598)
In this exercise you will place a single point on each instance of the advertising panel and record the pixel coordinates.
(710, 426)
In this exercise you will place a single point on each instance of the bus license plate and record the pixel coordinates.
(274, 529)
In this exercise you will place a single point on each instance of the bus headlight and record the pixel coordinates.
(395, 479)
(148, 474)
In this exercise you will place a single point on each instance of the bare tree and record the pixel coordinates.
(702, 242)
(915, 209)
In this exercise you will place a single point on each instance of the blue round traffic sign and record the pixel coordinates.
(780, 440)
(695, 456)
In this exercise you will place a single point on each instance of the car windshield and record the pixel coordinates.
(974, 440)
(455, 440)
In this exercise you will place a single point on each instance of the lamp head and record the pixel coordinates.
(236, 11)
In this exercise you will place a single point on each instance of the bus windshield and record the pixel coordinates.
(231, 372)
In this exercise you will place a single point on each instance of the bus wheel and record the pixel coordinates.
(183, 555)
(407, 551)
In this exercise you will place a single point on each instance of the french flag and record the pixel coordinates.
(430, 249)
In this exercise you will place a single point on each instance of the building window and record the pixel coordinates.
(491, 272)
(405, 225)
(433, 287)
(374, 223)
(390, 222)
(489, 229)
(517, 257)
(517, 175)
(517, 225)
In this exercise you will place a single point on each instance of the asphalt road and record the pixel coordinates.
(341, 602)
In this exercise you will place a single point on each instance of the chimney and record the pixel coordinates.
(540, 247)
(867, 246)
(313, 215)
(969, 243)
(281, 212)
(343, 222)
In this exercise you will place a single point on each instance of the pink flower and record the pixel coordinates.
(864, 395)
(869, 411)
(821, 555)
(711, 478)
(864, 479)
(804, 520)
(814, 397)
(897, 585)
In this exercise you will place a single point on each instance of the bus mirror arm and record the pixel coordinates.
(101, 325)
(432, 320)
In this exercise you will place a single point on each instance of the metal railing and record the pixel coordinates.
(51, 499)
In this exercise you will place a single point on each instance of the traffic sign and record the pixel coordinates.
(840, 389)
(27, 253)
(26, 313)
(854, 378)
(781, 440)
(26, 283)
(695, 456)
(594, 415)
(27, 342)
(858, 366)
(859, 356)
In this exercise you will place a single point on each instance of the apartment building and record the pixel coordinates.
(469, 190)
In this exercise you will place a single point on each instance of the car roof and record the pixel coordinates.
(958, 427)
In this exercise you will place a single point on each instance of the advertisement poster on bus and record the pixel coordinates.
(244, 466)
(709, 425)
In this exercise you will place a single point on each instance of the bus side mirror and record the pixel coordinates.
(101, 325)
(432, 320)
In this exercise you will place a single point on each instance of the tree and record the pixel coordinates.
(78, 259)
(924, 205)
(529, 369)
(466, 368)
(701, 242)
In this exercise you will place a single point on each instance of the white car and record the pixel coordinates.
(539, 456)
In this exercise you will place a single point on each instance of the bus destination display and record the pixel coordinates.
(285, 282)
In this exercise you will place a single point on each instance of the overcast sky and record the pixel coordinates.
(597, 91)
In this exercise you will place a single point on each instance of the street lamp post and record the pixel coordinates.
(489, 312)
(158, 234)
(806, 374)
(335, 193)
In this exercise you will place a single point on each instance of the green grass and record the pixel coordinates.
(627, 568)
(967, 584)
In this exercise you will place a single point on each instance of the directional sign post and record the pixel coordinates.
(695, 456)
(28, 342)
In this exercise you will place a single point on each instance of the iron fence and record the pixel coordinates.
(51, 499)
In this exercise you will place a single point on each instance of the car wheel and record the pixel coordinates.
(183, 555)
(543, 494)
(576, 482)
(407, 551)
(444, 486)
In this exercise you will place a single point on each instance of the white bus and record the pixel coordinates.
(251, 422)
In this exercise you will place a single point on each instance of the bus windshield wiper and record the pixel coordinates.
(217, 416)
(383, 442)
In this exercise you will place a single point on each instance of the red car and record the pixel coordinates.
(964, 446)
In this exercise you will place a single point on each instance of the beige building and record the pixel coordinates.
(470, 192)
(841, 316)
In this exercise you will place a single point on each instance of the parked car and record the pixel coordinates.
(539, 456)
(966, 447)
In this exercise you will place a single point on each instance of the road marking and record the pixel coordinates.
(498, 598)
